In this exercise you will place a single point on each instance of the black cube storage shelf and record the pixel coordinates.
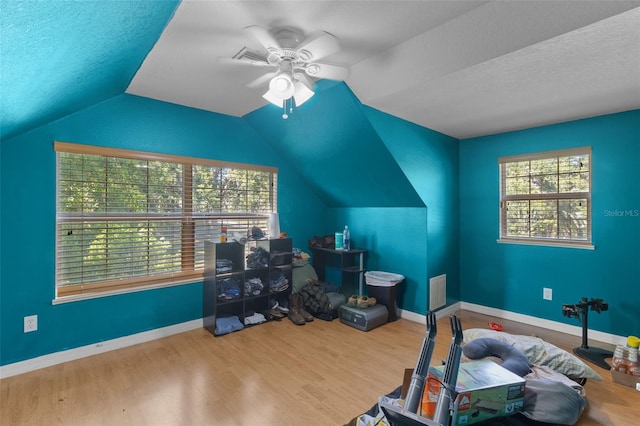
(214, 307)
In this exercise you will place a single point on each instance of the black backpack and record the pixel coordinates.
(316, 301)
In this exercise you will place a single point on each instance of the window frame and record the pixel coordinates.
(557, 196)
(189, 270)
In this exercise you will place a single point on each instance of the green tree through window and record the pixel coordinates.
(129, 219)
(546, 197)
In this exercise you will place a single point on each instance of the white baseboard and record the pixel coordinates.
(594, 335)
(146, 336)
(440, 313)
(573, 330)
(96, 348)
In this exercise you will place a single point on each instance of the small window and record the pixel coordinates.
(545, 198)
(129, 219)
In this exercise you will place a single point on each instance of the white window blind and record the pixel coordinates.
(129, 219)
(545, 198)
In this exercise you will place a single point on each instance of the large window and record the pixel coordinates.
(545, 198)
(129, 219)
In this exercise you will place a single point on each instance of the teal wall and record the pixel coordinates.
(421, 203)
(331, 142)
(339, 163)
(430, 161)
(28, 220)
(396, 241)
(379, 175)
(511, 277)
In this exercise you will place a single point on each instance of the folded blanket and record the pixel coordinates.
(227, 325)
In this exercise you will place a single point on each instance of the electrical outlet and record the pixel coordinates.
(30, 323)
(547, 294)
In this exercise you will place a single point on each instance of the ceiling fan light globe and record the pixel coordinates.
(282, 86)
(302, 93)
(273, 99)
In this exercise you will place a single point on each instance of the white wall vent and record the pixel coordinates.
(437, 292)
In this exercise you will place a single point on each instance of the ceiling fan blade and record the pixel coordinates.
(264, 37)
(261, 80)
(303, 79)
(326, 71)
(319, 45)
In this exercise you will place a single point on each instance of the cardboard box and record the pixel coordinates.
(484, 390)
(625, 379)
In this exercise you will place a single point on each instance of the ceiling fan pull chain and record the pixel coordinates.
(284, 109)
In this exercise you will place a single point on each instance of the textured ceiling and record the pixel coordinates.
(461, 68)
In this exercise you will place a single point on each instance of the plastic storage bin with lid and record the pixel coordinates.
(625, 358)
(383, 286)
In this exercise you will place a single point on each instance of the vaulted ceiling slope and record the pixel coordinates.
(462, 68)
(345, 163)
(58, 57)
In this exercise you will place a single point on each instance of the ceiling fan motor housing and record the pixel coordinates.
(288, 40)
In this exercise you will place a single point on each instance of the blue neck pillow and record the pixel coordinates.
(513, 359)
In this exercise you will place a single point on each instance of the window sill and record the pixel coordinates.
(96, 295)
(582, 246)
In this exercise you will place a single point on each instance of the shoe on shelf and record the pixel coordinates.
(297, 302)
(364, 302)
(283, 306)
(296, 317)
(276, 314)
(294, 310)
(353, 300)
(306, 315)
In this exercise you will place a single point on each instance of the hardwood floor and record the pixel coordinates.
(322, 373)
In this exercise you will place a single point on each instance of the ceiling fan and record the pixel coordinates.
(294, 63)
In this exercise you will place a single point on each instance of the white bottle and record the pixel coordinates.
(273, 226)
(346, 239)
